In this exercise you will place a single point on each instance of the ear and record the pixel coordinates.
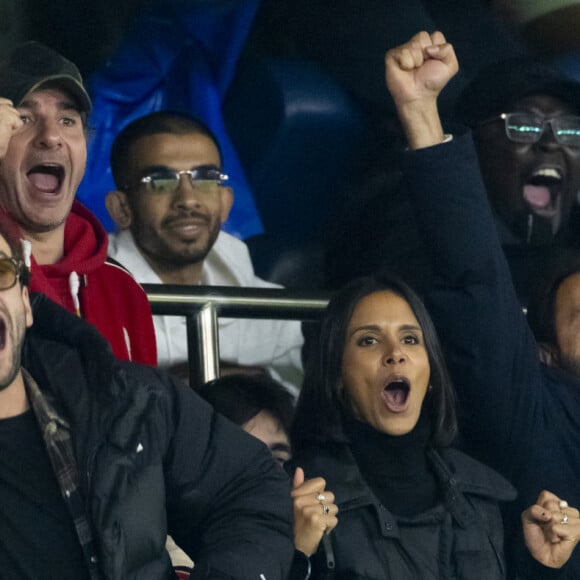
(227, 200)
(119, 208)
(27, 308)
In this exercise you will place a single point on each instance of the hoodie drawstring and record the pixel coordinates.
(74, 285)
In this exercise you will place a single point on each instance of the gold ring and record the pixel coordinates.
(325, 509)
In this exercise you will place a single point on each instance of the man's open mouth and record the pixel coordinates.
(396, 394)
(46, 177)
(542, 190)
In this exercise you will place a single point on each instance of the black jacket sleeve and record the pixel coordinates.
(229, 502)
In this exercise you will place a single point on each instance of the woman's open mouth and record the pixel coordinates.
(396, 395)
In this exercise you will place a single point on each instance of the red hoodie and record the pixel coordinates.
(108, 296)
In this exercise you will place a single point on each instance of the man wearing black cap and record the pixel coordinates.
(518, 415)
(44, 144)
(526, 123)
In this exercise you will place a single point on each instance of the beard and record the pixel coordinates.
(168, 254)
(8, 378)
(16, 332)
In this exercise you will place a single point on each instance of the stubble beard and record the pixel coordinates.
(16, 339)
(165, 257)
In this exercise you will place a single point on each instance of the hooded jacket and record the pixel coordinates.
(99, 290)
(154, 458)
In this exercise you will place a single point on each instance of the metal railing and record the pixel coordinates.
(203, 305)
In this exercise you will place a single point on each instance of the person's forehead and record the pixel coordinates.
(545, 103)
(265, 424)
(173, 150)
(49, 93)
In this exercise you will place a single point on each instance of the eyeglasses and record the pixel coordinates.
(529, 128)
(205, 179)
(10, 271)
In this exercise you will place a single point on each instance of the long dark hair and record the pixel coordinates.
(320, 408)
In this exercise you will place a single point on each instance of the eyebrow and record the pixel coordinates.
(154, 168)
(62, 105)
(377, 328)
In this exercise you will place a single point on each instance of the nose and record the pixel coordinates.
(48, 134)
(548, 138)
(394, 355)
(185, 195)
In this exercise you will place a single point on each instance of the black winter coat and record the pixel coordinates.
(156, 459)
(519, 416)
(369, 541)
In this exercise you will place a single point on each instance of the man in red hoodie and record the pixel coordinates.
(43, 157)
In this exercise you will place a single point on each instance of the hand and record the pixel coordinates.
(10, 122)
(416, 73)
(548, 538)
(310, 521)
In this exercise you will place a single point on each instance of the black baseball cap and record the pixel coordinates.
(501, 83)
(33, 64)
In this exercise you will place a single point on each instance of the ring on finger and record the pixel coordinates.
(320, 497)
(564, 520)
(325, 509)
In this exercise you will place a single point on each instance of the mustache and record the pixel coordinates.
(186, 215)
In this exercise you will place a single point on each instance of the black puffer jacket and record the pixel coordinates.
(371, 543)
(157, 460)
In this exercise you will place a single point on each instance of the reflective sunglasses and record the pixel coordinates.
(205, 179)
(10, 271)
(529, 128)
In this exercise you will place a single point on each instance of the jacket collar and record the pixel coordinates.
(457, 473)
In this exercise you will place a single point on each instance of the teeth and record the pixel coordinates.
(548, 172)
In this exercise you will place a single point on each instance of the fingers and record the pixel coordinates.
(420, 47)
(309, 487)
(9, 116)
(315, 514)
(10, 122)
(559, 521)
(298, 478)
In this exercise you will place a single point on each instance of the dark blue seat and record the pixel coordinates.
(297, 134)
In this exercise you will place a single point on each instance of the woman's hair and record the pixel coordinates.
(322, 402)
(241, 397)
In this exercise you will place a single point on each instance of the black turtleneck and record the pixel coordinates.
(396, 468)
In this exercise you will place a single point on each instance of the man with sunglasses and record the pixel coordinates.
(101, 458)
(43, 141)
(171, 200)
